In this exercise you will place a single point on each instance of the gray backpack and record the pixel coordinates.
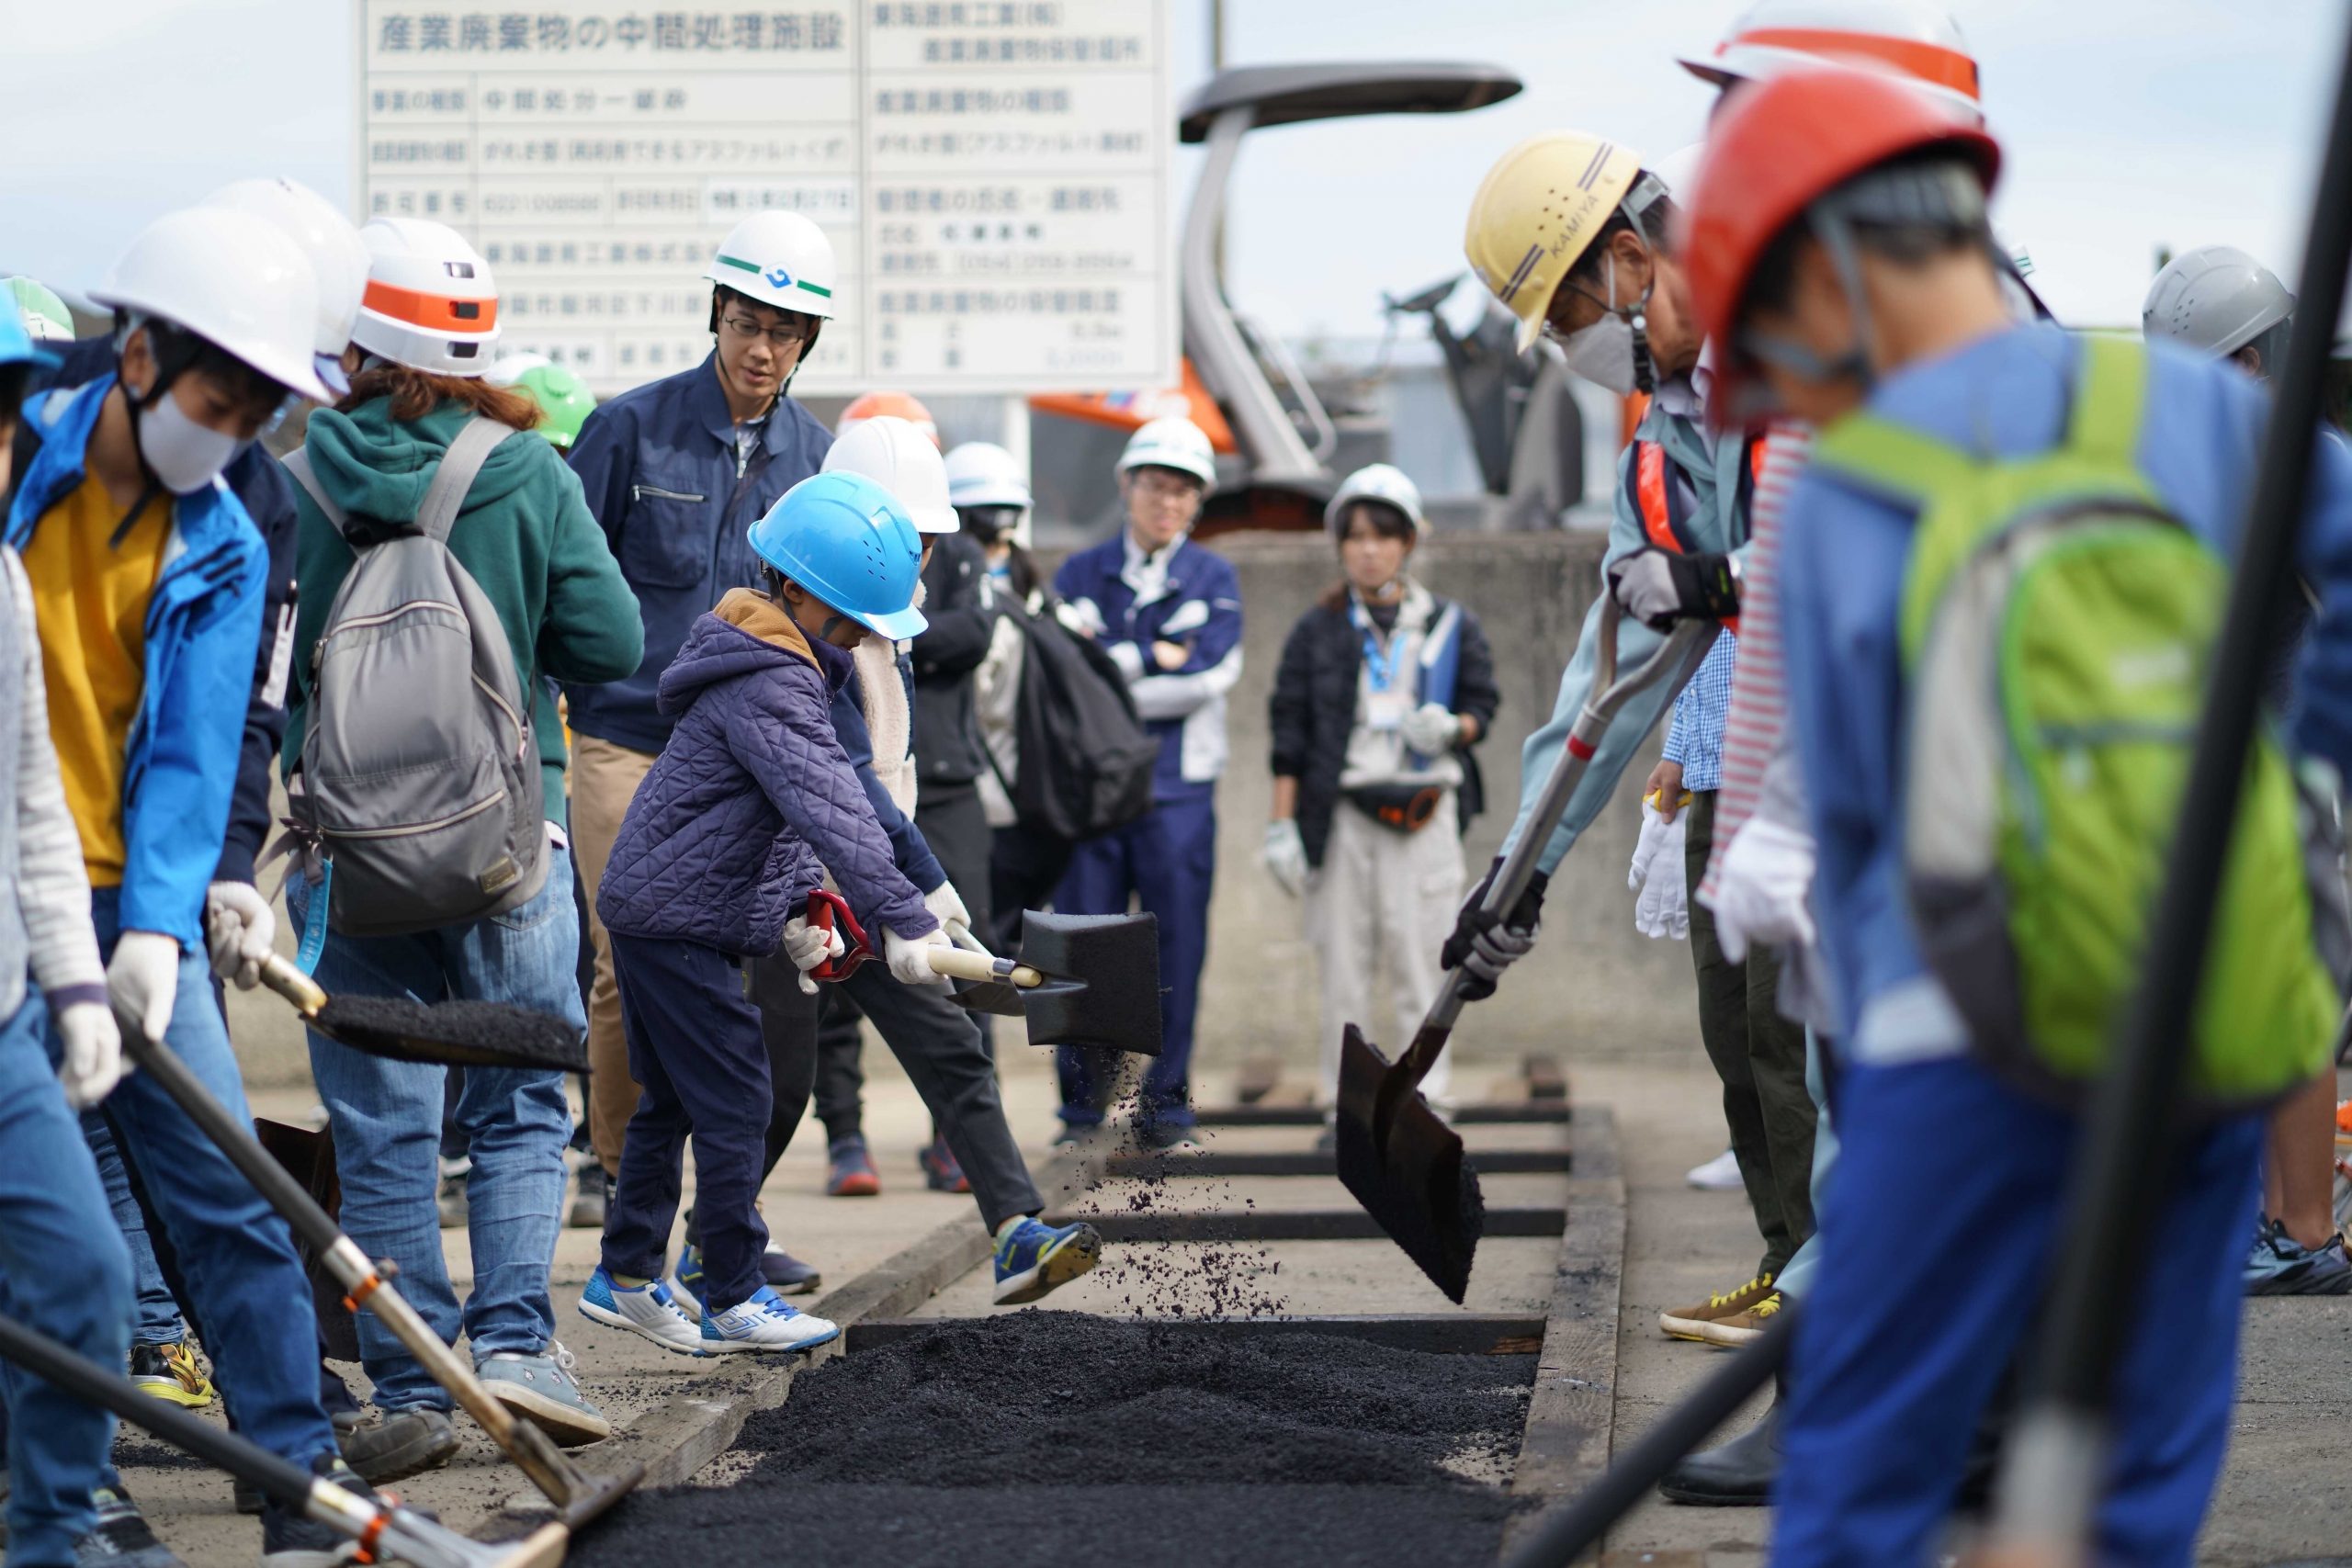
(420, 795)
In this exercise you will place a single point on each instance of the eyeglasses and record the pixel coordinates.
(1166, 484)
(746, 330)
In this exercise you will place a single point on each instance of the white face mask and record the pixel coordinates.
(183, 454)
(1604, 352)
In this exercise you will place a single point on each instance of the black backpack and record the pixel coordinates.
(1086, 759)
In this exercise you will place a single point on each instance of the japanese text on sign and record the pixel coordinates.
(992, 174)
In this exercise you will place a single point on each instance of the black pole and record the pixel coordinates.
(287, 1483)
(2049, 1485)
(1578, 1525)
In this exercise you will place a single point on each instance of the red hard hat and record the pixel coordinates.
(1778, 146)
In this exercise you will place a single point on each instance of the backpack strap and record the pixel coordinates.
(1902, 463)
(459, 466)
(298, 463)
(2105, 422)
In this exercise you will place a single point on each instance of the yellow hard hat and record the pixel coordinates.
(1536, 211)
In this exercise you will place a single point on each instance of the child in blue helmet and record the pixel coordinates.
(751, 804)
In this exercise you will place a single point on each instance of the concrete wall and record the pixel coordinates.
(1593, 987)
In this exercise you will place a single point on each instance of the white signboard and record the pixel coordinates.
(993, 177)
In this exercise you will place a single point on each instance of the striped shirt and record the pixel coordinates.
(1759, 705)
(1695, 735)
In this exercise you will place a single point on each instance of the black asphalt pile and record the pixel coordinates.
(1003, 1439)
(491, 1033)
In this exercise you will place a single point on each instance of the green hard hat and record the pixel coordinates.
(46, 316)
(563, 398)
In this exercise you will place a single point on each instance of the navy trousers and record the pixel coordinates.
(1166, 860)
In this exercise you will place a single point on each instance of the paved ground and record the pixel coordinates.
(2276, 1502)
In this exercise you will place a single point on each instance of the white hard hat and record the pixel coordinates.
(1679, 171)
(1918, 40)
(2215, 300)
(1172, 443)
(430, 303)
(1380, 482)
(981, 473)
(232, 279)
(779, 259)
(901, 458)
(338, 257)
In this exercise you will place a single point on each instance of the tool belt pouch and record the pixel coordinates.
(1402, 809)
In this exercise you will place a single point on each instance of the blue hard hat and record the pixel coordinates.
(848, 541)
(17, 347)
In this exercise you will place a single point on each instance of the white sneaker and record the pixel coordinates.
(1720, 1174)
(766, 1322)
(647, 1309)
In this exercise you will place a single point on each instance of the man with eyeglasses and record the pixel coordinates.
(1168, 614)
(1595, 273)
(677, 470)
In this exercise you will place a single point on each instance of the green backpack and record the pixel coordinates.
(2057, 626)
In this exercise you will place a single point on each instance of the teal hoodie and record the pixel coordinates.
(525, 533)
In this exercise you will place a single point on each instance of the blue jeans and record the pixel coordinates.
(1943, 1216)
(1167, 859)
(387, 1120)
(236, 1257)
(156, 1318)
(64, 1271)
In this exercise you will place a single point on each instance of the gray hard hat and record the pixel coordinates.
(2215, 300)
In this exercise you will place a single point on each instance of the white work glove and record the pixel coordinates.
(908, 965)
(143, 981)
(93, 1061)
(1760, 888)
(239, 931)
(1285, 856)
(1081, 616)
(1432, 730)
(1659, 876)
(808, 946)
(947, 909)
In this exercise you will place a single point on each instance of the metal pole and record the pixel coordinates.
(2052, 1471)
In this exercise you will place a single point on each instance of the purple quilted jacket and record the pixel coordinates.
(752, 800)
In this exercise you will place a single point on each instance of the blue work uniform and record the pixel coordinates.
(1949, 1183)
(677, 494)
(1167, 857)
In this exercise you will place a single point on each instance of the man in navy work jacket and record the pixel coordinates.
(677, 471)
(1169, 614)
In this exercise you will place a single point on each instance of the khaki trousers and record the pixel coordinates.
(1378, 908)
(604, 780)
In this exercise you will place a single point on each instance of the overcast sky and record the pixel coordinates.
(2129, 124)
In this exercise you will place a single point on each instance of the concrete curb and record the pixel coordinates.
(1571, 1414)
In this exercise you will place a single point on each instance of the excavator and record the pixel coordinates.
(1276, 440)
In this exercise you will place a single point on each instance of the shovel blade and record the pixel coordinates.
(1406, 1167)
(596, 1491)
(458, 1033)
(1102, 981)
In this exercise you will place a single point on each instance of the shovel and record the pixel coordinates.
(1080, 979)
(578, 1496)
(1400, 1160)
(382, 1530)
(456, 1033)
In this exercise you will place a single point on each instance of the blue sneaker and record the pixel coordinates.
(541, 1389)
(1034, 1259)
(2279, 1264)
(765, 1322)
(649, 1310)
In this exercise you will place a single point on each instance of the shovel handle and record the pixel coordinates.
(964, 964)
(281, 976)
(1608, 696)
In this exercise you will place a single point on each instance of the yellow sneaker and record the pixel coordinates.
(171, 1372)
(1691, 1323)
(1741, 1326)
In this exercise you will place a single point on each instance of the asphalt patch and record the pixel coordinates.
(1002, 1439)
